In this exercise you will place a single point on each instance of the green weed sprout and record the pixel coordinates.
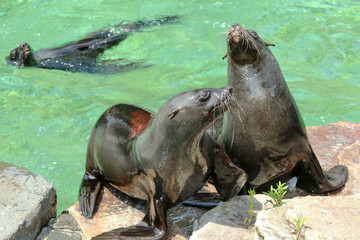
(251, 192)
(276, 194)
(299, 226)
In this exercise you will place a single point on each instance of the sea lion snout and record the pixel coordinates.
(224, 94)
(223, 98)
(235, 25)
(229, 89)
(242, 44)
(236, 33)
(25, 48)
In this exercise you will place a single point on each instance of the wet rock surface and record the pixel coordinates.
(27, 203)
(333, 144)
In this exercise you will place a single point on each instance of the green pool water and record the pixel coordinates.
(47, 115)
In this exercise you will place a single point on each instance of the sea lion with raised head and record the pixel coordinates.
(81, 56)
(163, 159)
(267, 137)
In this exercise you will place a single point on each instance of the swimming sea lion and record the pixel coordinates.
(163, 159)
(266, 137)
(80, 56)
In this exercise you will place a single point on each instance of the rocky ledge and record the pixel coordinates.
(335, 216)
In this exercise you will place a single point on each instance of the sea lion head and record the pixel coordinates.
(193, 112)
(245, 46)
(21, 56)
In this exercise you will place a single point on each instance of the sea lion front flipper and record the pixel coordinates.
(88, 191)
(153, 226)
(314, 180)
(227, 177)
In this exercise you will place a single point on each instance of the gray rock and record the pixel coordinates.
(27, 203)
(227, 220)
(64, 227)
(335, 217)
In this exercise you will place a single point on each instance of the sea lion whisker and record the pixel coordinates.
(241, 121)
(232, 139)
(237, 105)
(247, 45)
(213, 121)
(251, 39)
(232, 99)
(255, 45)
(215, 108)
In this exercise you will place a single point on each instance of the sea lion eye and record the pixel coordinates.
(204, 95)
(254, 34)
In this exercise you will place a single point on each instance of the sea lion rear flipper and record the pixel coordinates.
(314, 180)
(153, 226)
(88, 191)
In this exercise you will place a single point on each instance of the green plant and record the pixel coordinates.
(251, 192)
(299, 224)
(276, 194)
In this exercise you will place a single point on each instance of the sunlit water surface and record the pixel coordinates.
(47, 115)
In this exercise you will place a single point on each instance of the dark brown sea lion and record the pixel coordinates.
(80, 56)
(266, 137)
(163, 159)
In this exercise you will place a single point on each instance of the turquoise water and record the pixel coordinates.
(47, 115)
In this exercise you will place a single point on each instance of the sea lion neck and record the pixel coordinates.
(153, 139)
(253, 79)
(186, 117)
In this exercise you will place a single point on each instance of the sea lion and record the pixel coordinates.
(163, 159)
(80, 56)
(267, 137)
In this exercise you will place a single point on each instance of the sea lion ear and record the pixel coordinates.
(173, 113)
(270, 44)
(13, 54)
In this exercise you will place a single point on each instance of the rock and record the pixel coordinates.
(339, 143)
(115, 209)
(27, 203)
(111, 212)
(227, 220)
(333, 144)
(328, 141)
(64, 227)
(335, 217)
